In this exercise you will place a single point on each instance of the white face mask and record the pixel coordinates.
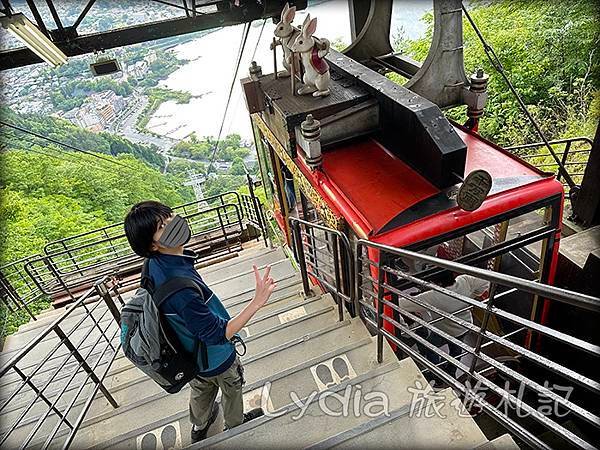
(176, 233)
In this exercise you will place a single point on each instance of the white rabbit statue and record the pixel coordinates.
(286, 33)
(312, 52)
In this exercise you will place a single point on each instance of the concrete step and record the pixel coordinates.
(285, 287)
(228, 283)
(263, 366)
(504, 442)
(278, 301)
(298, 327)
(288, 297)
(260, 333)
(284, 312)
(258, 256)
(273, 396)
(430, 420)
(382, 389)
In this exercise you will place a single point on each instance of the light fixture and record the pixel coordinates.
(23, 29)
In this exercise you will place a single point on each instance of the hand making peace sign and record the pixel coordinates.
(265, 286)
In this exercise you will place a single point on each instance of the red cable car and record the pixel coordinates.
(389, 172)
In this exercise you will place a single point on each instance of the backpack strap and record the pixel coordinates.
(171, 287)
(145, 279)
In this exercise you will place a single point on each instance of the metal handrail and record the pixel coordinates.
(53, 280)
(543, 290)
(377, 297)
(568, 142)
(557, 141)
(79, 259)
(47, 247)
(83, 363)
(341, 245)
(253, 211)
(374, 294)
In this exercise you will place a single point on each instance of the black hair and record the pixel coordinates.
(141, 223)
(445, 279)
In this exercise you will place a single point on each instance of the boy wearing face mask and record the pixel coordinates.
(155, 233)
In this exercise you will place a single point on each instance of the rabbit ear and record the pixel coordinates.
(310, 28)
(289, 14)
(284, 11)
(306, 20)
(305, 24)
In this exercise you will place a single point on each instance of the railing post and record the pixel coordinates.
(261, 221)
(71, 257)
(105, 295)
(380, 278)
(115, 251)
(564, 158)
(224, 230)
(54, 271)
(358, 280)
(483, 328)
(65, 340)
(313, 249)
(336, 266)
(348, 271)
(255, 204)
(296, 232)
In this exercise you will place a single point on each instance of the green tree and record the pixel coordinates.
(67, 133)
(237, 167)
(103, 190)
(181, 167)
(550, 52)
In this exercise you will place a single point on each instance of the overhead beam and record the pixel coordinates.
(90, 43)
(37, 17)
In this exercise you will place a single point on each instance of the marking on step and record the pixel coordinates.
(332, 372)
(163, 438)
(256, 399)
(292, 314)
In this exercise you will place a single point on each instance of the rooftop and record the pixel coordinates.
(378, 192)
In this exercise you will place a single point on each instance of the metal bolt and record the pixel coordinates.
(311, 128)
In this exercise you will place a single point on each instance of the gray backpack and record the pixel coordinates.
(149, 342)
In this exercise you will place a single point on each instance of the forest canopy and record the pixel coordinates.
(550, 51)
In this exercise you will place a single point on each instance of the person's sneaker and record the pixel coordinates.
(250, 415)
(253, 414)
(200, 434)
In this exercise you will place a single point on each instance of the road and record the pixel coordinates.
(125, 125)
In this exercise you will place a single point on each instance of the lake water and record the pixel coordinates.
(210, 72)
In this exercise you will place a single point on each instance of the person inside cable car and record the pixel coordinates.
(465, 285)
(290, 191)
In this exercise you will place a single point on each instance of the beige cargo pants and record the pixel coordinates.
(204, 392)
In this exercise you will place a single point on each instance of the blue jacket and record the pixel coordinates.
(194, 316)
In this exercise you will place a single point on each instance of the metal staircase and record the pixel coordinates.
(317, 378)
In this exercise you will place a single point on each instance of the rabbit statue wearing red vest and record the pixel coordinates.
(312, 53)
